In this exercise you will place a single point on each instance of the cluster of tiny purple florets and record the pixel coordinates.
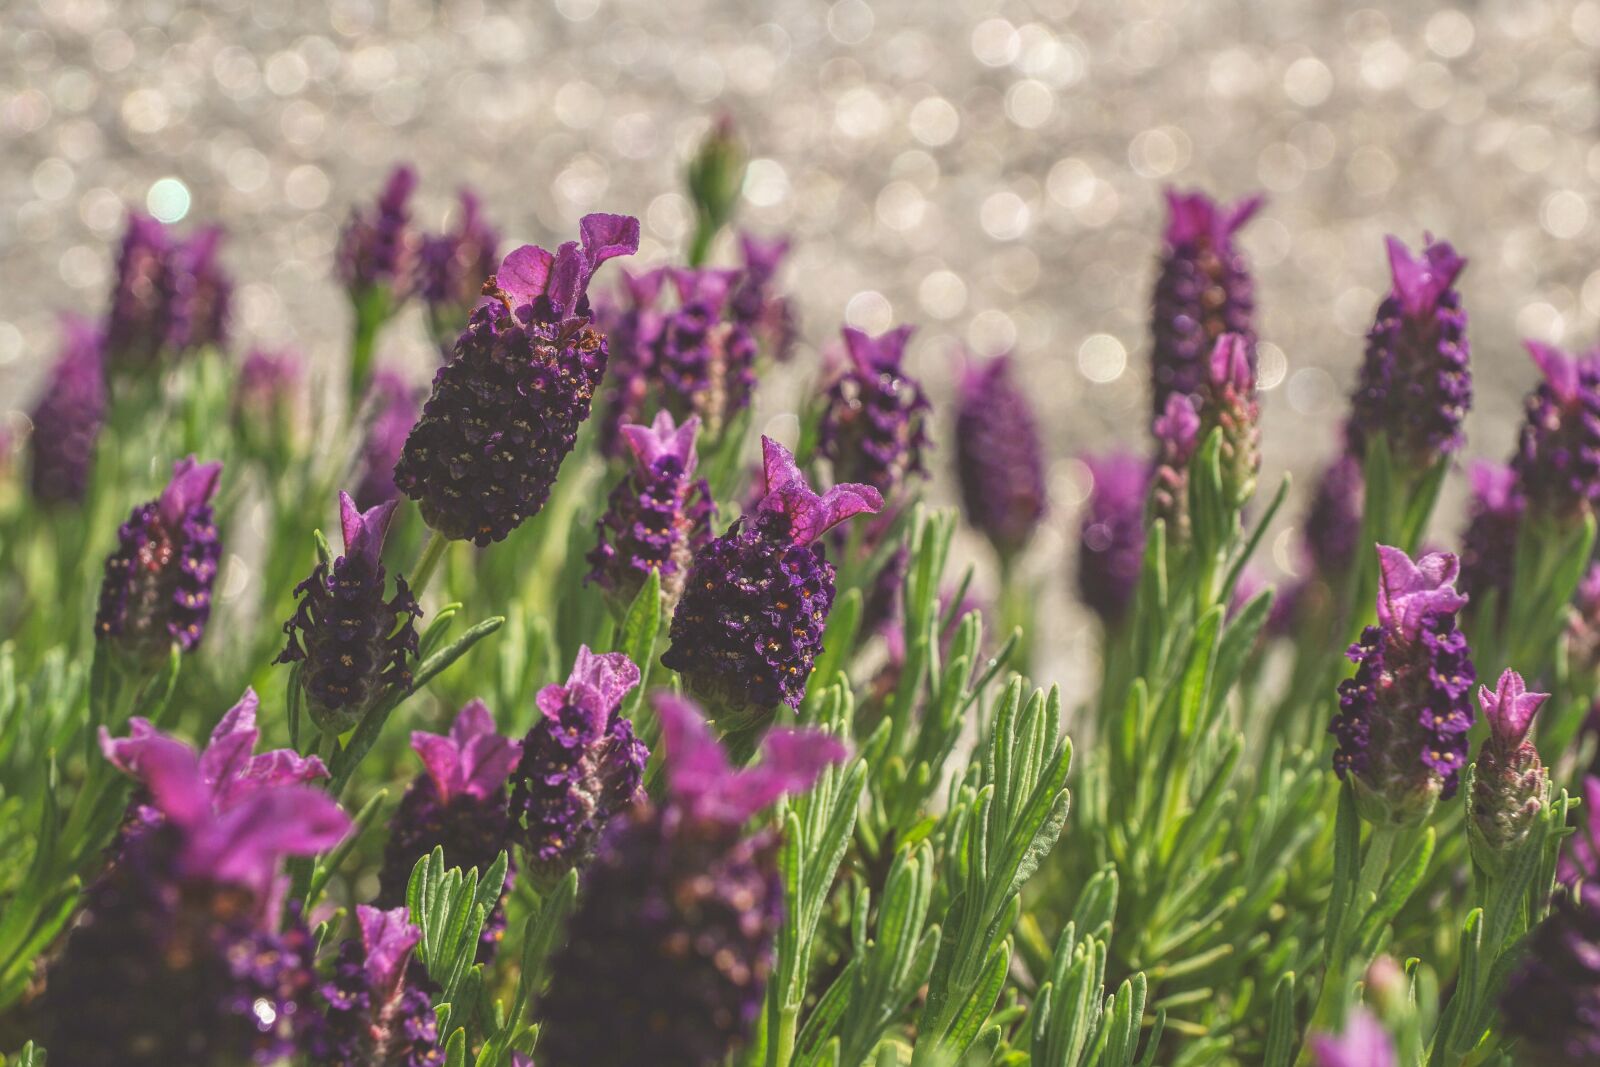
(1557, 461)
(874, 425)
(169, 296)
(999, 457)
(68, 415)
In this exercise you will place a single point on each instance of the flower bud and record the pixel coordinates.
(999, 457)
(1509, 784)
(68, 416)
(1111, 534)
(1228, 405)
(873, 428)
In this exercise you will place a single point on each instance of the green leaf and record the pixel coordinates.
(641, 628)
(1280, 1024)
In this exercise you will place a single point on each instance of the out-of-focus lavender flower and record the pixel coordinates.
(459, 804)
(1489, 543)
(1333, 522)
(175, 957)
(1551, 1004)
(1583, 623)
(704, 362)
(657, 517)
(1177, 434)
(1363, 1043)
(1415, 385)
(873, 429)
(631, 326)
(170, 296)
(157, 586)
(230, 768)
(452, 268)
(1204, 290)
(581, 765)
(1509, 785)
(1557, 463)
(750, 623)
(354, 644)
(377, 1004)
(1111, 535)
(1580, 855)
(269, 398)
(1403, 718)
(670, 949)
(755, 301)
(999, 457)
(1228, 405)
(505, 410)
(68, 415)
(378, 246)
(391, 407)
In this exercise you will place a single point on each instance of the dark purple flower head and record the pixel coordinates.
(749, 626)
(157, 586)
(1415, 385)
(1177, 434)
(631, 326)
(378, 246)
(1557, 463)
(1363, 1043)
(1204, 290)
(1228, 405)
(391, 409)
(874, 427)
(354, 644)
(580, 765)
(1403, 718)
(175, 956)
(1489, 543)
(505, 410)
(756, 303)
(656, 518)
(1111, 534)
(1551, 1004)
(1509, 785)
(704, 362)
(1333, 522)
(671, 947)
(452, 268)
(68, 415)
(999, 456)
(377, 1004)
(170, 296)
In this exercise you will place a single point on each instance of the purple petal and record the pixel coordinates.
(486, 762)
(568, 277)
(525, 274)
(1363, 1044)
(442, 759)
(193, 484)
(1178, 427)
(762, 256)
(607, 237)
(388, 937)
(876, 355)
(1493, 484)
(364, 531)
(1408, 590)
(1510, 709)
(810, 516)
(697, 766)
(123, 752)
(167, 767)
(705, 285)
(1420, 282)
(611, 674)
(473, 720)
(227, 756)
(1558, 368)
(791, 761)
(663, 438)
(277, 767)
(644, 289)
(243, 845)
(1230, 362)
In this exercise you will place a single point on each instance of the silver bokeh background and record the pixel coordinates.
(988, 170)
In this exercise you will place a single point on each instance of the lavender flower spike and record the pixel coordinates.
(1403, 718)
(1228, 405)
(391, 408)
(1111, 535)
(157, 587)
(1177, 434)
(458, 803)
(269, 400)
(755, 302)
(1415, 385)
(1333, 521)
(631, 325)
(1204, 290)
(750, 623)
(378, 1008)
(1509, 785)
(671, 947)
(1557, 463)
(505, 410)
(1551, 1003)
(874, 427)
(378, 246)
(68, 415)
(1490, 542)
(656, 518)
(999, 457)
(581, 765)
(452, 268)
(169, 296)
(704, 360)
(354, 643)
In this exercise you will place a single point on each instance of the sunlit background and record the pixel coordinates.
(990, 171)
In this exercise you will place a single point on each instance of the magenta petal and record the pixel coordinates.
(473, 720)
(761, 255)
(1420, 282)
(170, 771)
(123, 752)
(810, 516)
(696, 766)
(388, 937)
(1363, 1044)
(568, 278)
(790, 762)
(644, 289)
(1178, 426)
(280, 766)
(611, 674)
(227, 756)
(1558, 368)
(524, 274)
(364, 531)
(663, 438)
(1230, 362)
(1408, 590)
(243, 845)
(607, 237)
(193, 484)
(1242, 212)
(486, 762)
(1510, 709)
(441, 757)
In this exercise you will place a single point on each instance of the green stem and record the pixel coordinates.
(364, 343)
(780, 1044)
(705, 231)
(428, 562)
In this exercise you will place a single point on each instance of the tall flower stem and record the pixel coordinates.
(370, 313)
(433, 551)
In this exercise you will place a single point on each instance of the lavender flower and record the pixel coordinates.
(201, 293)
(1403, 718)
(1177, 434)
(169, 296)
(68, 415)
(704, 363)
(755, 303)
(354, 643)
(631, 327)
(873, 429)
(1489, 544)
(671, 946)
(656, 518)
(1363, 1043)
(1228, 405)
(505, 410)
(750, 623)
(392, 408)
(269, 397)
(1509, 785)
(581, 765)
(1415, 385)
(157, 586)
(1583, 623)
(1557, 463)
(458, 804)
(175, 957)
(999, 457)
(1333, 522)
(1551, 1004)
(378, 1010)
(1204, 291)
(378, 246)
(452, 268)
(1111, 535)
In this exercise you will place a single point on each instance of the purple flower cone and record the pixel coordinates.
(68, 416)
(1489, 544)
(999, 457)
(873, 429)
(631, 326)
(1333, 522)
(169, 296)
(756, 303)
(378, 245)
(705, 362)
(1111, 535)
(377, 1005)
(1557, 463)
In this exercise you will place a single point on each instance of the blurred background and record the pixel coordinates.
(988, 170)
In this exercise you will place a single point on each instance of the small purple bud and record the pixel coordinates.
(1509, 785)
(757, 304)
(1177, 433)
(873, 429)
(269, 397)
(1557, 463)
(68, 415)
(377, 1003)
(1111, 535)
(999, 457)
(378, 246)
